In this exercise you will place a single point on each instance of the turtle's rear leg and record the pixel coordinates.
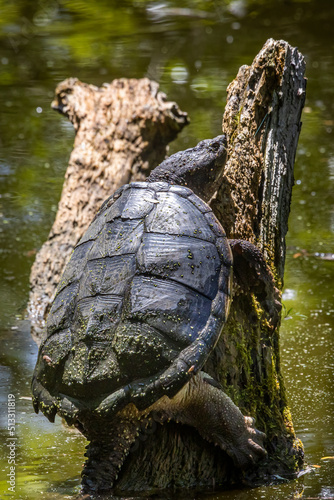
(107, 450)
(203, 404)
(102, 466)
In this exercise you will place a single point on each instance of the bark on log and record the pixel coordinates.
(262, 123)
(122, 132)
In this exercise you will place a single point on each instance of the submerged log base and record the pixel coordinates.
(122, 132)
(262, 124)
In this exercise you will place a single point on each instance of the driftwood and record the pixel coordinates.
(122, 132)
(262, 124)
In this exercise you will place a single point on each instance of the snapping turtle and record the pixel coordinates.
(139, 308)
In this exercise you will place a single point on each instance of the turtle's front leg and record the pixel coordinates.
(253, 274)
(204, 405)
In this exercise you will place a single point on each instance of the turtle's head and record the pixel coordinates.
(200, 168)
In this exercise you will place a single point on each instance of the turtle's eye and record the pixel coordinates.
(215, 145)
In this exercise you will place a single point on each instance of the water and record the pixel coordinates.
(193, 54)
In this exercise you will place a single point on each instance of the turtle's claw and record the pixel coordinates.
(35, 404)
(249, 421)
(44, 401)
(50, 412)
(248, 449)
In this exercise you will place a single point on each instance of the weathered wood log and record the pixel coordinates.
(122, 132)
(262, 124)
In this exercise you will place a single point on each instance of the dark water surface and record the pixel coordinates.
(193, 49)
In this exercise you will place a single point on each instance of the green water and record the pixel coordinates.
(193, 54)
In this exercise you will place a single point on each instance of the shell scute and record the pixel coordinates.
(225, 251)
(200, 204)
(214, 224)
(177, 215)
(141, 349)
(108, 275)
(96, 317)
(184, 259)
(119, 237)
(91, 369)
(177, 311)
(61, 312)
(115, 209)
(74, 268)
(181, 191)
(139, 203)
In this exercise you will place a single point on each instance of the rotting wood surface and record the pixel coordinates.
(122, 132)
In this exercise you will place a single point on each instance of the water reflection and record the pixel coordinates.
(193, 50)
(42, 448)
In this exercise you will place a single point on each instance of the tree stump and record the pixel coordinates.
(122, 132)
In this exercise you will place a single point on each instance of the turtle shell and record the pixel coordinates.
(146, 281)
